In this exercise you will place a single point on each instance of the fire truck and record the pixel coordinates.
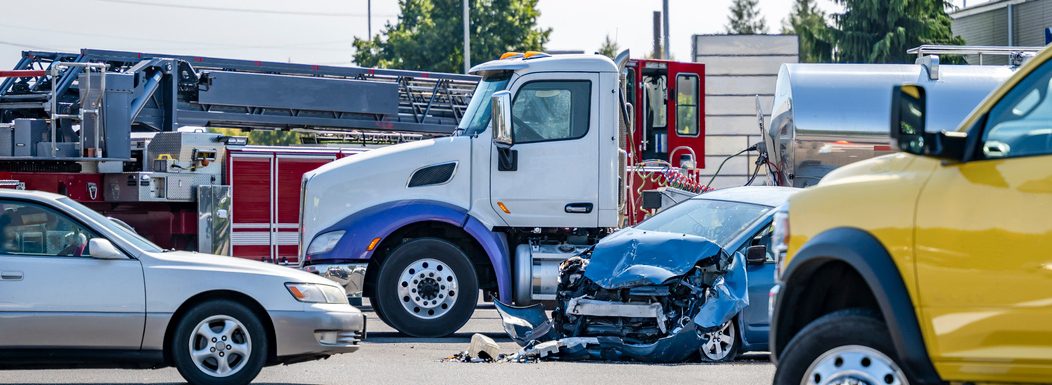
(552, 155)
(128, 134)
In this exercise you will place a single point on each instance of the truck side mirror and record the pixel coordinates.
(908, 134)
(501, 116)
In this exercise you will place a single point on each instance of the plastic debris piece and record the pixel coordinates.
(483, 347)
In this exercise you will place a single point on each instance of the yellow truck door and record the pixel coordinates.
(984, 246)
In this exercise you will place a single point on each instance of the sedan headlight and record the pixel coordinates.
(325, 243)
(314, 293)
(780, 238)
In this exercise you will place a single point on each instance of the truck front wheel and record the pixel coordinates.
(849, 346)
(427, 287)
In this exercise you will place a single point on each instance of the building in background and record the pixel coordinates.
(737, 69)
(1003, 23)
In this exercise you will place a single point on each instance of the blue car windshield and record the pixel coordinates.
(718, 221)
(476, 118)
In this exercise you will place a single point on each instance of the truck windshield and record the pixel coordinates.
(125, 234)
(718, 221)
(476, 118)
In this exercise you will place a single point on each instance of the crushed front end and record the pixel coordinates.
(638, 295)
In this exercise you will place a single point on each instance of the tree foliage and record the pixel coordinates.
(609, 48)
(871, 31)
(808, 22)
(429, 35)
(745, 18)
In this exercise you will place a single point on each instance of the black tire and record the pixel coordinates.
(861, 327)
(733, 350)
(450, 319)
(179, 350)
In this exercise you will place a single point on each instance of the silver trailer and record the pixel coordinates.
(829, 115)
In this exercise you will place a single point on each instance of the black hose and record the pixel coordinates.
(750, 148)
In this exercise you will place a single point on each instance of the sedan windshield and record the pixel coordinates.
(476, 118)
(718, 221)
(125, 233)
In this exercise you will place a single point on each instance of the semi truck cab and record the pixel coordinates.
(420, 227)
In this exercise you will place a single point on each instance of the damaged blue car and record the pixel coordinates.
(673, 287)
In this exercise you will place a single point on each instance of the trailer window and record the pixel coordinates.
(654, 111)
(687, 105)
(551, 110)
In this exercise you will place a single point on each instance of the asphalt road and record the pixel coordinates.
(390, 358)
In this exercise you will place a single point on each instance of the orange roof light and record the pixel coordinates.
(510, 55)
(538, 54)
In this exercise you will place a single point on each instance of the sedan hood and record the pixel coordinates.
(633, 257)
(217, 263)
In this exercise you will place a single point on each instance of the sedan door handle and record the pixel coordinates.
(11, 275)
(578, 208)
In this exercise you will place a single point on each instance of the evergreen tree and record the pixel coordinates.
(609, 48)
(745, 18)
(880, 31)
(815, 37)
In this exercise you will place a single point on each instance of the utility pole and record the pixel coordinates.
(664, 10)
(657, 36)
(369, 17)
(467, 39)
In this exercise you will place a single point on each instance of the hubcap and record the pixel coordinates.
(427, 288)
(220, 346)
(853, 364)
(717, 345)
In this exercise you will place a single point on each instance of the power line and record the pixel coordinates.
(243, 10)
(310, 45)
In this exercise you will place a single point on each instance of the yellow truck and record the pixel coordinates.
(932, 264)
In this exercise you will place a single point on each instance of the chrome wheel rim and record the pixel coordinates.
(427, 288)
(220, 346)
(854, 364)
(717, 344)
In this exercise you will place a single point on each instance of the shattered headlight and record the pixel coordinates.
(780, 238)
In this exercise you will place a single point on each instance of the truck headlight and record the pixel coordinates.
(780, 238)
(314, 293)
(325, 243)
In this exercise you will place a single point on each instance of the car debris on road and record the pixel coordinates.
(638, 295)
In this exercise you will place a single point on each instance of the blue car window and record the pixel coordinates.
(718, 221)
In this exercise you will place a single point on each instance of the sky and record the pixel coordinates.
(321, 31)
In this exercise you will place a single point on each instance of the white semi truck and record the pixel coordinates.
(419, 228)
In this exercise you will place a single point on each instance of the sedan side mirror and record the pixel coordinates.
(756, 255)
(101, 248)
(908, 134)
(501, 116)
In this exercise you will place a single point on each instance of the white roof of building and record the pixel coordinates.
(554, 63)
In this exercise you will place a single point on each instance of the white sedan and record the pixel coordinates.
(80, 290)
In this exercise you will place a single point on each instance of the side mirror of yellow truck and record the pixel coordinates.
(908, 134)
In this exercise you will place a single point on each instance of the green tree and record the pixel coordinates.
(429, 34)
(808, 22)
(610, 48)
(880, 31)
(745, 18)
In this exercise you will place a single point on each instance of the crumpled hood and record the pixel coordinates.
(633, 257)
